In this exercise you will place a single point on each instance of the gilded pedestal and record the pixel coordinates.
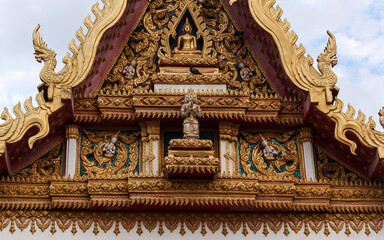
(191, 158)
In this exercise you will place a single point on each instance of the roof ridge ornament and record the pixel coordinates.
(325, 61)
(321, 86)
(59, 86)
(48, 76)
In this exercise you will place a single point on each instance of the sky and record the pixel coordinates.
(357, 24)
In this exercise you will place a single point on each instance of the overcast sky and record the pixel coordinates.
(357, 24)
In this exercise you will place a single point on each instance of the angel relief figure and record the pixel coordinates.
(269, 151)
(245, 72)
(129, 70)
(106, 152)
(109, 149)
(253, 81)
(190, 111)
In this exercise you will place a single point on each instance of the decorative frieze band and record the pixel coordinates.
(192, 223)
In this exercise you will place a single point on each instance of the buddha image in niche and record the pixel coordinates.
(187, 43)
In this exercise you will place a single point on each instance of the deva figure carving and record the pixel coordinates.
(269, 151)
(109, 149)
(129, 70)
(190, 111)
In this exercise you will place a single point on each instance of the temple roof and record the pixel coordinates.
(290, 73)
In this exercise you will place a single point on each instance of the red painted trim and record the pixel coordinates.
(307, 106)
(374, 164)
(112, 46)
(8, 163)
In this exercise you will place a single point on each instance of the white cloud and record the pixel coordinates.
(18, 86)
(59, 21)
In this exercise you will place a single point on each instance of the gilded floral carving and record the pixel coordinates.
(184, 143)
(48, 164)
(327, 168)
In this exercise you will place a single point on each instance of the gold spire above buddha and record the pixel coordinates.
(186, 43)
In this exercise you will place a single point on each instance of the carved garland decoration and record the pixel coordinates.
(246, 223)
(48, 164)
(331, 170)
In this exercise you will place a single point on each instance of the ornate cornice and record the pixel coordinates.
(160, 104)
(155, 193)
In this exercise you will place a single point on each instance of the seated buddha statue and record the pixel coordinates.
(186, 43)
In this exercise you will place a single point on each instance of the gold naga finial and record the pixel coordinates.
(44, 53)
(326, 61)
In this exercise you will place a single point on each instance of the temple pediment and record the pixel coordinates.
(191, 105)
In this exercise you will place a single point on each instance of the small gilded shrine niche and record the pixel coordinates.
(186, 42)
(109, 152)
(270, 154)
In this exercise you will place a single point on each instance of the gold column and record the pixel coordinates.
(153, 130)
(72, 135)
(144, 155)
(225, 136)
(235, 149)
(309, 161)
(228, 133)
